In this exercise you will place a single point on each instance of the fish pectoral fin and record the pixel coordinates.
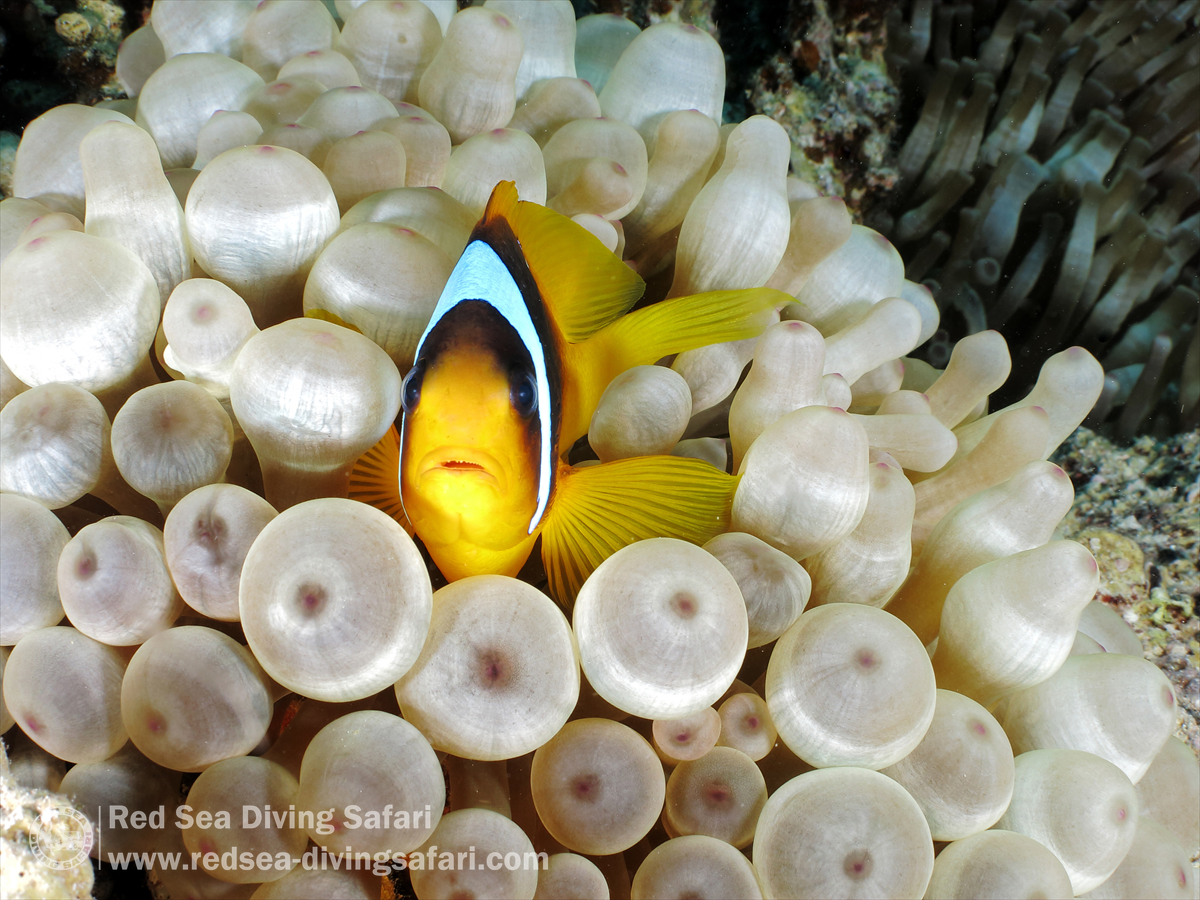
(583, 285)
(597, 510)
(375, 479)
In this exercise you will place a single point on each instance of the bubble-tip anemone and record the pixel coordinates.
(498, 675)
(661, 627)
(282, 150)
(334, 599)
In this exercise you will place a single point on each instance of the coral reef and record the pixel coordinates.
(1135, 509)
(62, 51)
(211, 293)
(819, 68)
(833, 94)
(31, 821)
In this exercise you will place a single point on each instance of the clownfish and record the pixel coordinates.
(530, 328)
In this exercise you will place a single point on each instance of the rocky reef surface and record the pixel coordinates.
(1136, 510)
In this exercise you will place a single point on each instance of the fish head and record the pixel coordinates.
(471, 446)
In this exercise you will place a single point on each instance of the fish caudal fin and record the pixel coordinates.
(597, 510)
(583, 285)
(375, 478)
(647, 335)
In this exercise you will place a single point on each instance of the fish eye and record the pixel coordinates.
(523, 394)
(410, 390)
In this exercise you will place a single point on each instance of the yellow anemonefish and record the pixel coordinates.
(531, 327)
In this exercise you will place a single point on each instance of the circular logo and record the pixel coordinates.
(62, 837)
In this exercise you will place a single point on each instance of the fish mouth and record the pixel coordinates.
(461, 461)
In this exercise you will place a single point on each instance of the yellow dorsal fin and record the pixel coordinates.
(597, 510)
(583, 285)
(375, 478)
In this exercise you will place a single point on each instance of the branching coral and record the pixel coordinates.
(831, 686)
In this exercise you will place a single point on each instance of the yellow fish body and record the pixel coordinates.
(531, 327)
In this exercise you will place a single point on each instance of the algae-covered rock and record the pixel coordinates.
(44, 843)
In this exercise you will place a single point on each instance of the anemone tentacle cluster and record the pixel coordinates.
(887, 677)
(1050, 188)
